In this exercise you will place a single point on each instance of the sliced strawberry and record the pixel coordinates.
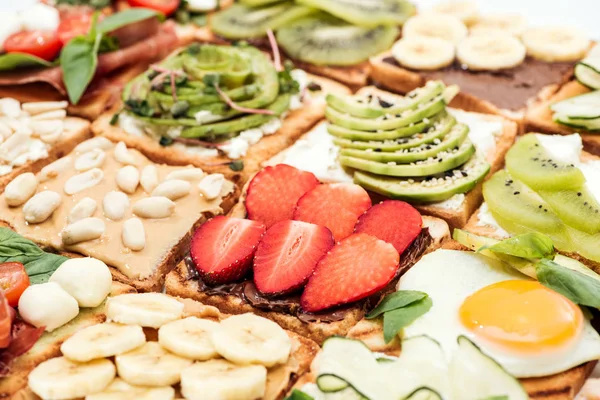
(223, 247)
(336, 206)
(274, 192)
(287, 255)
(354, 269)
(393, 221)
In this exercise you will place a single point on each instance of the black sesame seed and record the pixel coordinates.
(377, 150)
(384, 104)
(464, 173)
(540, 206)
(515, 193)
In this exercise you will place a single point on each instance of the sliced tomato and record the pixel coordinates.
(42, 44)
(73, 25)
(13, 281)
(166, 7)
(6, 318)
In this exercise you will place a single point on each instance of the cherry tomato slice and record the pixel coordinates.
(5, 321)
(42, 44)
(166, 7)
(73, 25)
(13, 281)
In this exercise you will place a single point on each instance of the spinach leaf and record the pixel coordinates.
(397, 319)
(396, 300)
(38, 264)
(12, 61)
(79, 59)
(580, 288)
(529, 245)
(299, 395)
(127, 17)
(92, 3)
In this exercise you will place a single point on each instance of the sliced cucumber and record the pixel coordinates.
(590, 125)
(352, 134)
(476, 376)
(587, 72)
(424, 393)
(585, 106)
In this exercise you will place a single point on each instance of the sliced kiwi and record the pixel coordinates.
(241, 21)
(430, 189)
(584, 244)
(367, 13)
(529, 162)
(577, 208)
(454, 138)
(442, 162)
(325, 40)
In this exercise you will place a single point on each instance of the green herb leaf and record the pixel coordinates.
(108, 44)
(237, 165)
(127, 17)
(12, 61)
(529, 245)
(139, 107)
(395, 320)
(299, 395)
(165, 141)
(581, 288)
(396, 300)
(115, 118)
(79, 59)
(38, 264)
(200, 20)
(211, 80)
(91, 3)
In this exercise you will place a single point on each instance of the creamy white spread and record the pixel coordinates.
(591, 171)
(563, 148)
(485, 218)
(453, 203)
(482, 131)
(201, 5)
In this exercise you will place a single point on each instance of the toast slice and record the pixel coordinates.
(539, 116)
(76, 131)
(13, 386)
(296, 123)
(387, 73)
(166, 239)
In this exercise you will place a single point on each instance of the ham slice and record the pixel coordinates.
(147, 49)
(24, 337)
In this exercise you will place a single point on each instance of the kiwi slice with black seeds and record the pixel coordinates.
(322, 39)
(369, 13)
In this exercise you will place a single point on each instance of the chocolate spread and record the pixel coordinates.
(509, 88)
(290, 304)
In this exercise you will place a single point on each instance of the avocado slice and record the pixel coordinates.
(430, 189)
(443, 161)
(353, 134)
(454, 138)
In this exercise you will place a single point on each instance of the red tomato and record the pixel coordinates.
(13, 281)
(166, 7)
(74, 25)
(5, 322)
(43, 44)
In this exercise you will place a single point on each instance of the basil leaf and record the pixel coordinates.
(38, 264)
(299, 395)
(12, 61)
(127, 17)
(397, 319)
(581, 288)
(396, 300)
(79, 59)
(529, 245)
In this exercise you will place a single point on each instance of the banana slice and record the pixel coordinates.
(514, 24)
(145, 309)
(189, 338)
(103, 340)
(59, 378)
(222, 380)
(121, 390)
(555, 44)
(423, 53)
(491, 52)
(466, 11)
(151, 365)
(435, 25)
(250, 339)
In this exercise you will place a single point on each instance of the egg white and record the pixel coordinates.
(449, 277)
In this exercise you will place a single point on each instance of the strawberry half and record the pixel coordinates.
(223, 247)
(274, 192)
(354, 269)
(336, 206)
(287, 255)
(393, 221)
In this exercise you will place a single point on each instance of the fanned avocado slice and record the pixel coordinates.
(428, 190)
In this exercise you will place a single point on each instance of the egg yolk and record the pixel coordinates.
(523, 316)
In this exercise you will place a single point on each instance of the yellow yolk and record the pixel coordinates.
(523, 316)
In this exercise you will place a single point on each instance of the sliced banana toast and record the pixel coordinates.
(81, 208)
(538, 117)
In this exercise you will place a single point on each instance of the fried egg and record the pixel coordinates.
(527, 328)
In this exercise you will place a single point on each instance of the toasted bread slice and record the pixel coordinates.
(279, 378)
(539, 116)
(160, 254)
(355, 76)
(296, 123)
(76, 131)
(49, 346)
